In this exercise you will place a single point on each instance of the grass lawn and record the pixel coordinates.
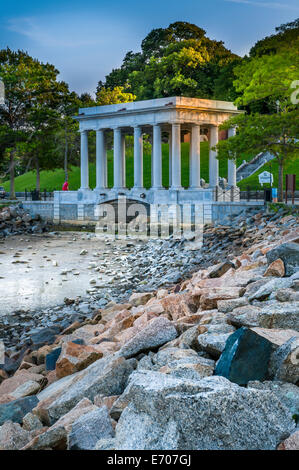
(53, 180)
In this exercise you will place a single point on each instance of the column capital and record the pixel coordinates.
(83, 131)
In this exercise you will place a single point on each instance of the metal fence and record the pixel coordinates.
(36, 195)
(251, 194)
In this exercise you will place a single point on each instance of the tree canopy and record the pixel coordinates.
(177, 60)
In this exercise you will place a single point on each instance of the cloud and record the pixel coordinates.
(275, 5)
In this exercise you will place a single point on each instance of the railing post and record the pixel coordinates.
(248, 193)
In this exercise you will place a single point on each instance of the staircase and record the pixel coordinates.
(248, 168)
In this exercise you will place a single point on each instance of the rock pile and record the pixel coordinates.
(15, 220)
(209, 363)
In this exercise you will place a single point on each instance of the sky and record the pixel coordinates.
(86, 39)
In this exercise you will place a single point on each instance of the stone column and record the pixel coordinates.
(84, 160)
(152, 159)
(157, 157)
(213, 162)
(231, 164)
(100, 159)
(176, 157)
(195, 157)
(138, 158)
(123, 160)
(117, 159)
(170, 156)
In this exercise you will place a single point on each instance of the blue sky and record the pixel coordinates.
(86, 39)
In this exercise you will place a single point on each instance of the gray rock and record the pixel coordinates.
(213, 344)
(289, 253)
(287, 295)
(17, 409)
(158, 332)
(284, 362)
(166, 412)
(107, 376)
(31, 422)
(105, 444)
(226, 306)
(283, 315)
(272, 286)
(221, 269)
(44, 336)
(89, 428)
(54, 438)
(12, 436)
(287, 393)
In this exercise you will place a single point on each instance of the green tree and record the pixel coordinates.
(105, 96)
(274, 133)
(264, 83)
(177, 60)
(33, 103)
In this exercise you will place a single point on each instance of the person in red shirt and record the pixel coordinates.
(65, 186)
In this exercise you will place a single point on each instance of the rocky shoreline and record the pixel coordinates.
(195, 348)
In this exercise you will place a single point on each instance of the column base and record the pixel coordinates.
(176, 188)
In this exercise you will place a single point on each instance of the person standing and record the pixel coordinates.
(65, 186)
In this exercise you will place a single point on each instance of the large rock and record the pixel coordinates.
(165, 412)
(287, 393)
(289, 253)
(270, 287)
(52, 439)
(179, 305)
(89, 428)
(83, 407)
(75, 357)
(276, 268)
(291, 443)
(12, 436)
(283, 315)
(209, 300)
(142, 298)
(284, 362)
(247, 354)
(221, 269)
(25, 390)
(17, 409)
(213, 344)
(106, 376)
(183, 363)
(227, 306)
(45, 336)
(158, 332)
(8, 386)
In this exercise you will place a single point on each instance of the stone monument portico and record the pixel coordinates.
(168, 116)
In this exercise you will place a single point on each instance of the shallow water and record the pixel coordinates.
(31, 281)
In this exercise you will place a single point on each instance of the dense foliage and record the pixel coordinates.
(177, 60)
